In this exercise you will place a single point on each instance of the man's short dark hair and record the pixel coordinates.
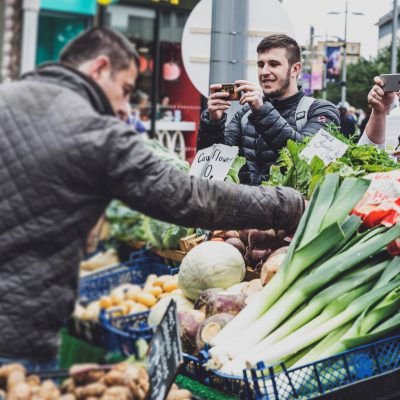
(100, 41)
(279, 40)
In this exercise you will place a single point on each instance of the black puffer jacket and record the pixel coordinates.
(266, 132)
(63, 157)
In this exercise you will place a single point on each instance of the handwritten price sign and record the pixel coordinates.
(324, 146)
(214, 162)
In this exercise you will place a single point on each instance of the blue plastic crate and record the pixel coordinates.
(306, 382)
(134, 271)
(122, 333)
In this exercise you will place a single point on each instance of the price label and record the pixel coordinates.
(165, 356)
(214, 162)
(324, 146)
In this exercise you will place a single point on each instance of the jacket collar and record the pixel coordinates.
(74, 80)
(286, 102)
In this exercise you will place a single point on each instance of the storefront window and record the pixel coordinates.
(163, 87)
(55, 30)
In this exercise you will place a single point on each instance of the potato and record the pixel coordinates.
(162, 280)
(67, 386)
(21, 391)
(5, 370)
(114, 378)
(92, 389)
(131, 293)
(150, 280)
(179, 394)
(15, 377)
(68, 396)
(146, 299)
(154, 290)
(48, 391)
(117, 393)
(33, 380)
(170, 285)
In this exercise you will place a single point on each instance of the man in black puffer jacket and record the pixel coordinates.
(268, 119)
(63, 156)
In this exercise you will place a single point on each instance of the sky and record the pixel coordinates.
(304, 13)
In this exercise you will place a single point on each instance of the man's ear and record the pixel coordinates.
(100, 66)
(296, 68)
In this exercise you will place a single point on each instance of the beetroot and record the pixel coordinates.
(255, 256)
(225, 303)
(244, 236)
(236, 242)
(231, 234)
(189, 322)
(210, 327)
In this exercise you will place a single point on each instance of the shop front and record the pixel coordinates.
(166, 102)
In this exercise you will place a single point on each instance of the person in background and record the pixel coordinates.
(347, 122)
(353, 114)
(269, 116)
(64, 155)
(381, 104)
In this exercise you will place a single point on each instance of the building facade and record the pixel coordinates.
(172, 109)
(385, 30)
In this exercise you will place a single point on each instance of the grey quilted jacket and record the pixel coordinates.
(266, 132)
(63, 157)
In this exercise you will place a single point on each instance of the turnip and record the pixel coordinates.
(225, 303)
(210, 327)
(272, 264)
(205, 296)
(189, 323)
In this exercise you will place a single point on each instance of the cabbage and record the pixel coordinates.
(210, 265)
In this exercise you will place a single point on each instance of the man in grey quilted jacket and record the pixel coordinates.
(268, 117)
(63, 156)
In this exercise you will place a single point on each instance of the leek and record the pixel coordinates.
(295, 342)
(299, 258)
(323, 298)
(300, 291)
(316, 351)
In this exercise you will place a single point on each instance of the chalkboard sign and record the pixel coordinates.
(165, 354)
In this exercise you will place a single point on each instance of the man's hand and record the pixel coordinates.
(252, 94)
(217, 103)
(378, 99)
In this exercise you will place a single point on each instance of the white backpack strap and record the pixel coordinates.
(302, 111)
(245, 118)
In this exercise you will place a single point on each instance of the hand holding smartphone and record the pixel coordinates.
(228, 88)
(391, 82)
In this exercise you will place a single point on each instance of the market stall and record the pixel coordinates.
(243, 314)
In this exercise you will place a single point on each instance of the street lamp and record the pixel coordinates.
(344, 69)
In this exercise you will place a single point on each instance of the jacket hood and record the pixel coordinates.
(70, 78)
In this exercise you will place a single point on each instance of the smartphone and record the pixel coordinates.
(229, 88)
(392, 82)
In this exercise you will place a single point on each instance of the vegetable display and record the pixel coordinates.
(129, 226)
(123, 381)
(333, 274)
(294, 171)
